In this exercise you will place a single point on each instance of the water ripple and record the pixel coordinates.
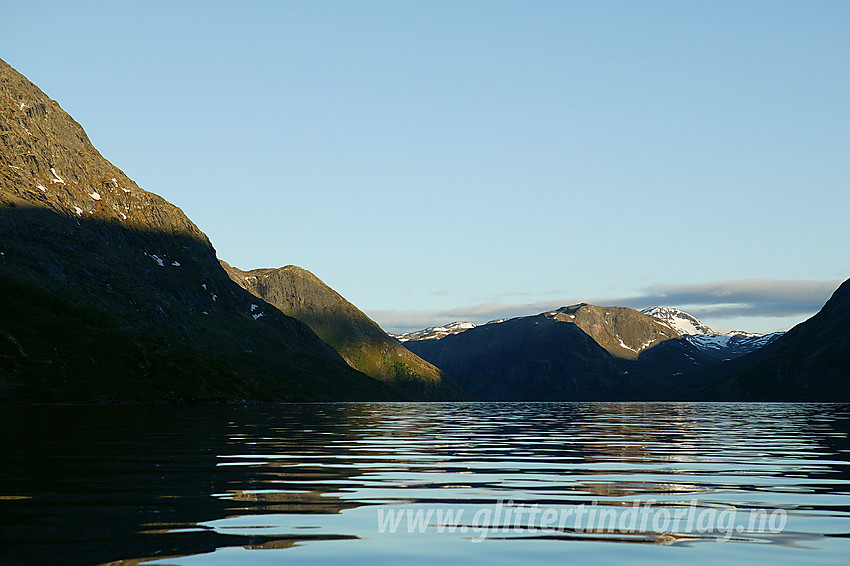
(308, 483)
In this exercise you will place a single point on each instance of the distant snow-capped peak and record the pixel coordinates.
(435, 332)
(721, 345)
(742, 334)
(681, 321)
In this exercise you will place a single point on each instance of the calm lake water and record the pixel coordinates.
(492, 483)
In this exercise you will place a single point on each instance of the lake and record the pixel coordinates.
(426, 483)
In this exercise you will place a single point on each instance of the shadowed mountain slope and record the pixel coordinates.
(530, 359)
(109, 292)
(580, 352)
(811, 362)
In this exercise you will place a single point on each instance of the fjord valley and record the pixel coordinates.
(110, 293)
(418, 283)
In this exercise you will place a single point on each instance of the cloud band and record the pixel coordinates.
(717, 300)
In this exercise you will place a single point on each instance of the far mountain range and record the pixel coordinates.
(661, 353)
(109, 293)
(714, 343)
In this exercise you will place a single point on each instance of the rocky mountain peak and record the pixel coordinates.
(622, 331)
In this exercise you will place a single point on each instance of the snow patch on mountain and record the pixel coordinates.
(435, 332)
(681, 321)
(719, 345)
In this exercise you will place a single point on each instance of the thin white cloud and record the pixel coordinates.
(747, 291)
(717, 300)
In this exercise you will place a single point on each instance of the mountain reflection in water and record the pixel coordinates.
(304, 482)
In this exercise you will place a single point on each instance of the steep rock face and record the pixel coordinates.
(811, 362)
(360, 341)
(109, 292)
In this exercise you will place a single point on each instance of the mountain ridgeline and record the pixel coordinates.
(810, 362)
(584, 352)
(110, 293)
(622, 332)
(580, 352)
(528, 358)
(357, 338)
(722, 346)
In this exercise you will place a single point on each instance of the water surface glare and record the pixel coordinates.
(417, 483)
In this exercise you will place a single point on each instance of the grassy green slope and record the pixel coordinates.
(360, 341)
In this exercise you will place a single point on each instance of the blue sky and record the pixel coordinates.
(442, 160)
